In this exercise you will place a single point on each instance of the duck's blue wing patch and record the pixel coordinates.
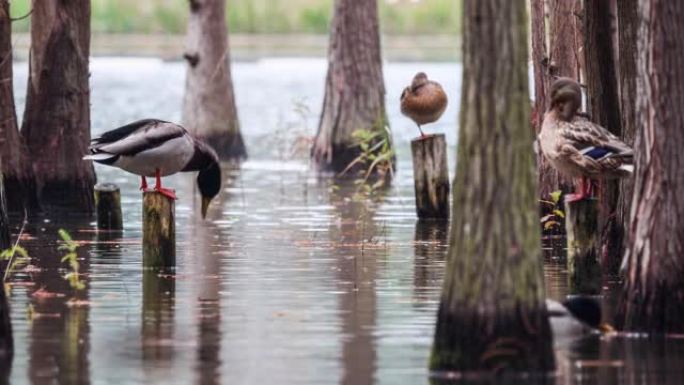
(596, 153)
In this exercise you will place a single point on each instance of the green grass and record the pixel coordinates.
(262, 16)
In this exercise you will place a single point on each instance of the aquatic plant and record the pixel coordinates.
(375, 163)
(71, 259)
(556, 215)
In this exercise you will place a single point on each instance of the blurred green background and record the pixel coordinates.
(262, 16)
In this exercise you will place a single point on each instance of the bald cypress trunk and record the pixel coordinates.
(209, 109)
(492, 314)
(628, 25)
(564, 60)
(654, 288)
(604, 105)
(57, 115)
(16, 167)
(354, 86)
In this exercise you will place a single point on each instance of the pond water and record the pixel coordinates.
(291, 279)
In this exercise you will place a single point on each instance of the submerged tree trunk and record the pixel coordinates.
(354, 86)
(57, 115)
(16, 169)
(654, 288)
(492, 314)
(628, 25)
(209, 109)
(604, 105)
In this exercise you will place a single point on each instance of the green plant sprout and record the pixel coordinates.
(71, 258)
(555, 218)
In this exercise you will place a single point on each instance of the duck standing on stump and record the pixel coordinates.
(157, 148)
(578, 148)
(424, 101)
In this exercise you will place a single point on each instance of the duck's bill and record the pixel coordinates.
(205, 206)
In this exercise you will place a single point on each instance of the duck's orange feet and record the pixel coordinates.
(171, 194)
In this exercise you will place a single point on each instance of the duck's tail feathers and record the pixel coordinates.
(629, 168)
(101, 157)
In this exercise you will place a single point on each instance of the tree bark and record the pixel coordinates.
(209, 109)
(654, 288)
(492, 314)
(565, 43)
(57, 115)
(628, 25)
(16, 167)
(354, 86)
(604, 105)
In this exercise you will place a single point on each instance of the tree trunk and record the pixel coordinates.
(354, 87)
(209, 109)
(16, 169)
(604, 105)
(628, 25)
(654, 288)
(57, 115)
(565, 41)
(492, 314)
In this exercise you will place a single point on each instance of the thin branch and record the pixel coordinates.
(22, 17)
(14, 248)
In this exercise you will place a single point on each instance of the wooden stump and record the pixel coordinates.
(108, 202)
(431, 176)
(159, 231)
(581, 223)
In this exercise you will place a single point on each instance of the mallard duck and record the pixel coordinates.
(157, 148)
(424, 101)
(575, 317)
(575, 146)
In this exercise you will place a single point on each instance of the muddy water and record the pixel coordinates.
(291, 279)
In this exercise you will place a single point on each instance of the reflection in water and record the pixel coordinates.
(159, 292)
(430, 250)
(59, 315)
(357, 259)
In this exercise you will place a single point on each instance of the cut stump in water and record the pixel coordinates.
(581, 223)
(159, 231)
(108, 202)
(431, 176)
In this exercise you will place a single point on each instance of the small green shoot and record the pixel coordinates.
(71, 259)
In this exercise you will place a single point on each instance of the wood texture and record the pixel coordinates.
(209, 109)
(57, 116)
(16, 166)
(492, 314)
(431, 176)
(654, 289)
(108, 203)
(604, 107)
(159, 231)
(354, 86)
(584, 271)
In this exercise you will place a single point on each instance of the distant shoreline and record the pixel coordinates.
(246, 47)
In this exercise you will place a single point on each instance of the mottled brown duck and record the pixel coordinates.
(424, 101)
(577, 147)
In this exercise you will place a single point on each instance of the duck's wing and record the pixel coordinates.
(136, 137)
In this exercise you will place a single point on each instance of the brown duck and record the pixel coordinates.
(424, 101)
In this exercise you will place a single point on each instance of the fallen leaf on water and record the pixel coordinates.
(77, 303)
(599, 363)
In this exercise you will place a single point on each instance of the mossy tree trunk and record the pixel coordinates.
(57, 115)
(492, 315)
(16, 166)
(354, 86)
(654, 286)
(604, 105)
(209, 109)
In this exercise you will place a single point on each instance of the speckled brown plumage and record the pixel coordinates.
(424, 101)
